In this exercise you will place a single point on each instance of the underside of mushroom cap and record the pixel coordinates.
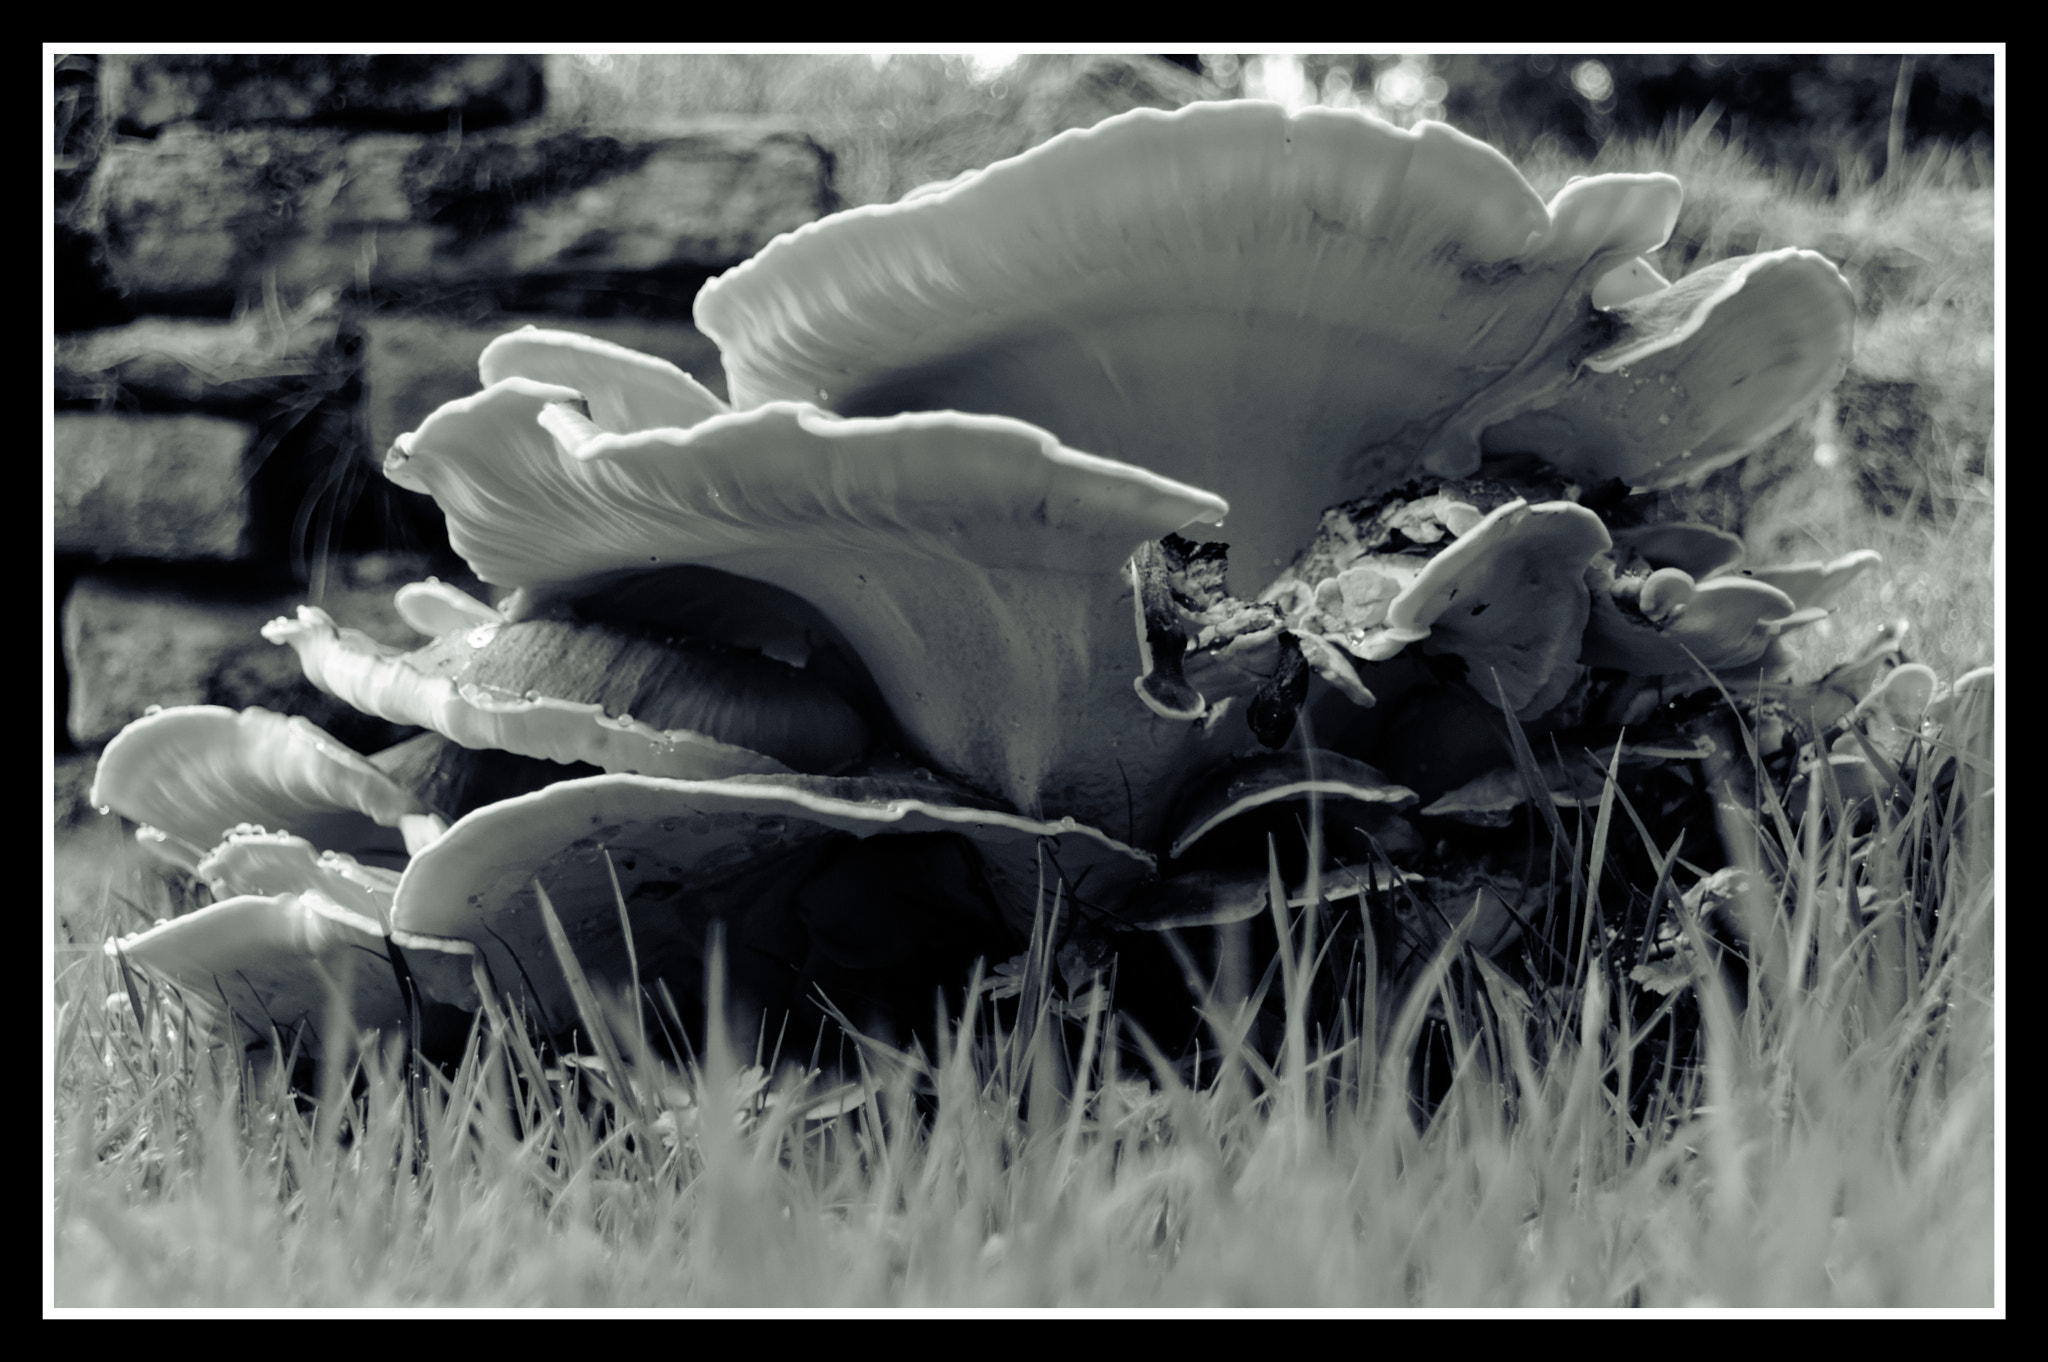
(1214, 898)
(1572, 771)
(618, 699)
(1699, 550)
(1276, 306)
(1671, 385)
(453, 780)
(972, 563)
(687, 852)
(255, 861)
(1270, 778)
(197, 771)
(295, 934)
(271, 962)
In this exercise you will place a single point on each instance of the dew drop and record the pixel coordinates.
(152, 709)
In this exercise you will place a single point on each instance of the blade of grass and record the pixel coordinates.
(594, 1021)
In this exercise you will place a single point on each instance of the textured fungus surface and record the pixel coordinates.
(1116, 505)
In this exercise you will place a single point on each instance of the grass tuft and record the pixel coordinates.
(1823, 1137)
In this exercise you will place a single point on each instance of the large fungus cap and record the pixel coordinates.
(195, 772)
(1278, 306)
(973, 563)
(687, 852)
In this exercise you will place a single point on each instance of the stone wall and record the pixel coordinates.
(268, 268)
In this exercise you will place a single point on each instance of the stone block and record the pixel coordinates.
(72, 774)
(188, 360)
(147, 92)
(412, 365)
(171, 487)
(133, 640)
(234, 214)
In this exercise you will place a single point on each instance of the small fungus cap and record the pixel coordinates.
(294, 932)
(195, 772)
(1817, 584)
(1685, 379)
(1677, 625)
(625, 389)
(255, 962)
(1698, 550)
(1509, 598)
(568, 691)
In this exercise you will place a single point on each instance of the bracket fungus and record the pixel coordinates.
(188, 775)
(1077, 483)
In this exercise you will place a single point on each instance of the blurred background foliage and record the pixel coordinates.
(899, 121)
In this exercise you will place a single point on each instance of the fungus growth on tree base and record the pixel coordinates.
(1056, 511)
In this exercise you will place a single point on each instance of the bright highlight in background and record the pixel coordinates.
(1280, 78)
(989, 65)
(1402, 88)
(1592, 79)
